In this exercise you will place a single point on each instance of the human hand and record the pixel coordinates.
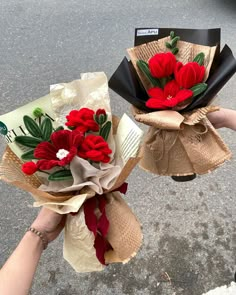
(49, 222)
(218, 118)
(223, 118)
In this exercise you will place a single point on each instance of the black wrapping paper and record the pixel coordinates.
(207, 37)
(126, 83)
(224, 70)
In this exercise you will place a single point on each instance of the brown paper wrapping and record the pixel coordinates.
(187, 52)
(180, 145)
(124, 236)
(124, 233)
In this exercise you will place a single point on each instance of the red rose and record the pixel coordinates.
(189, 75)
(95, 148)
(29, 168)
(100, 116)
(168, 97)
(82, 120)
(100, 112)
(162, 64)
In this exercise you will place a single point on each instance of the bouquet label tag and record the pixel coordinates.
(128, 138)
(147, 32)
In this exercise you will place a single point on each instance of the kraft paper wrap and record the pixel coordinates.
(187, 52)
(124, 233)
(124, 236)
(181, 144)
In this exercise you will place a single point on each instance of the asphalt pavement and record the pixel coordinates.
(189, 228)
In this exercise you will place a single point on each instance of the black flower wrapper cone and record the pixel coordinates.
(126, 83)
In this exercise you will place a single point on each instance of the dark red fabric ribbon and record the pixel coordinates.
(99, 225)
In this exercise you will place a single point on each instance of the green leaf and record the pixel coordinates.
(175, 50)
(28, 141)
(163, 81)
(59, 128)
(105, 130)
(95, 118)
(69, 127)
(102, 119)
(168, 45)
(174, 41)
(199, 58)
(143, 66)
(172, 34)
(198, 89)
(46, 128)
(28, 155)
(60, 175)
(32, 127)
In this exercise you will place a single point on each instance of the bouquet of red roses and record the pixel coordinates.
(170, 84)
(67, 152)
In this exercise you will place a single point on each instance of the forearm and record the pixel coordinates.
(17, 274)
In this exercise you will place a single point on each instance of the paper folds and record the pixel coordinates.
(181, 144)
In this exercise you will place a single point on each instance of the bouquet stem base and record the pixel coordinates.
(184, 178)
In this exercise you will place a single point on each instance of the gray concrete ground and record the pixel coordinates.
(189, 228)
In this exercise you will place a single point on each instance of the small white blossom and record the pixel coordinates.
(61, 154)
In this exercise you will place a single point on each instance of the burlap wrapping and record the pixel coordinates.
(124, 236)
(181, 144)
(187, 52)
(124, 233)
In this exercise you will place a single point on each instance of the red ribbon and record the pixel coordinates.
(99, 226)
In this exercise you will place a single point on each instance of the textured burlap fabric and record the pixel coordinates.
(179, 145)
(187, 52)
(124, 233)
(10, 171)
(124, 236)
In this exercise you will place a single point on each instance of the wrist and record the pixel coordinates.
(34, 243)
(39, 235)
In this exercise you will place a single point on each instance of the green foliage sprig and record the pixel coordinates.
(143, 66)
(172, 45)
(104, 125)
(38, 132)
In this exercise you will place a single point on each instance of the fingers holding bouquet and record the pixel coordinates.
(223, 118)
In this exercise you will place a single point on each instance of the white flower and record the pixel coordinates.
(61, 154)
